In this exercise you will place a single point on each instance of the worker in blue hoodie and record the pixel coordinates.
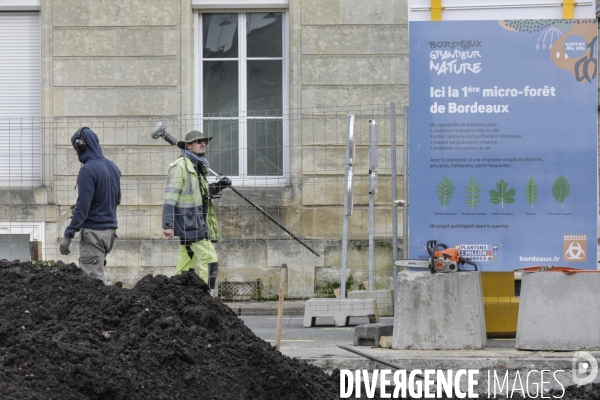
(95, 213)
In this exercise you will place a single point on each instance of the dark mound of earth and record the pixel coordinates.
(65, 336)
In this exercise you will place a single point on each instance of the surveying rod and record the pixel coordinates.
(381, 361)
(160, 131)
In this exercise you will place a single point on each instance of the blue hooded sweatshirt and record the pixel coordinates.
(99, 188)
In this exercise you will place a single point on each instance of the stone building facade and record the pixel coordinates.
(120, 66)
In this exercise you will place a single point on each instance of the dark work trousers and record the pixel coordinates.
(93, 247)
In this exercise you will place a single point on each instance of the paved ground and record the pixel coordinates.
(319, 346)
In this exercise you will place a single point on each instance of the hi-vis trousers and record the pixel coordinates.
(205, 254)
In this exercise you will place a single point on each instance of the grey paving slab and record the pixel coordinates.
(318, 345)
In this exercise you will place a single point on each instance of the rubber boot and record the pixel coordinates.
(213, 268)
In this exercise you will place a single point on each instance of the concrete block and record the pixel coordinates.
(115, 101)
(559, 311)
(372, 12)
(324, 96)
(332, 132)
(384, 298)
(343, 39)
(370, 334)
(143, 71)
(340, 309)
(355, 40)
(115, 13)
(400, 13)
(320, 12)
(67, 12)
(325, 161)
(339, 70)
(124, 13)
(116, 42)
(439, 311)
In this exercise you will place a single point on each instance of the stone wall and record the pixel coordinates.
(119, 66)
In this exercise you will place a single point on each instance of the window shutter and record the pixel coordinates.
(20, 100)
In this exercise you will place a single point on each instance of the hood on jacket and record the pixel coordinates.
(92, 150)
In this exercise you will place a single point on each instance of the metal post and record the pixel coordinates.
(344, 259)
(373, 167)
(266, 214)
(394, 197)
(348, 199)
(405, 214)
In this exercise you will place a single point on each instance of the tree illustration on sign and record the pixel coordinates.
(502, 195)
(445, 190)
(561, 189)
(473, 193)
(531, 191)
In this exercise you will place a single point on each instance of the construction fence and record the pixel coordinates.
(291, 163)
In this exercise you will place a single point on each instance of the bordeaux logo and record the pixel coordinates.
(575, 247)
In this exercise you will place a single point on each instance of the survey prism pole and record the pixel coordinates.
(160, 131)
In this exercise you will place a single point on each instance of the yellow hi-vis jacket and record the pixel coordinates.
(188, 208)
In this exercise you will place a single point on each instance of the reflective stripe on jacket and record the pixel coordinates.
(184, 206)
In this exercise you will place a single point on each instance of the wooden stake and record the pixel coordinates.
(282, 277)
(35, 250)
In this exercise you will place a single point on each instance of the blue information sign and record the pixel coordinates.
(503, 141)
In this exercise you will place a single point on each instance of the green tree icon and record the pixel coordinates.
(445, 190)
(561, 189)
(473, 193)
(502, 195)
(531, 191)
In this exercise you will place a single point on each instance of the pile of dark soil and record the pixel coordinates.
(65, 336)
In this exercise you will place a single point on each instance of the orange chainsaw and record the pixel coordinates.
(444, 259)
(441, 259)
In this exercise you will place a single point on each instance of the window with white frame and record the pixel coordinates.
(15, 238)
(242, 94)
(20, 99)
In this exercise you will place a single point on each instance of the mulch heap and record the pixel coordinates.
(65, 336)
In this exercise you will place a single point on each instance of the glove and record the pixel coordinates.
(224, 182)
(64, 246)
(221, 184)
(217, 187)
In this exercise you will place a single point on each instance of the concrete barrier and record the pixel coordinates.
(384, 298)
(371, 334)
(559, 311)
(439, 311)
(340, 309)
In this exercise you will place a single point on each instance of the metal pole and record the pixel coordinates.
(344, 259)
(394, 197)
(371, 238)
(373, 167)
(161, 132)
(348, 193)
(380, 360)
(266, 214)
(405, 214)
